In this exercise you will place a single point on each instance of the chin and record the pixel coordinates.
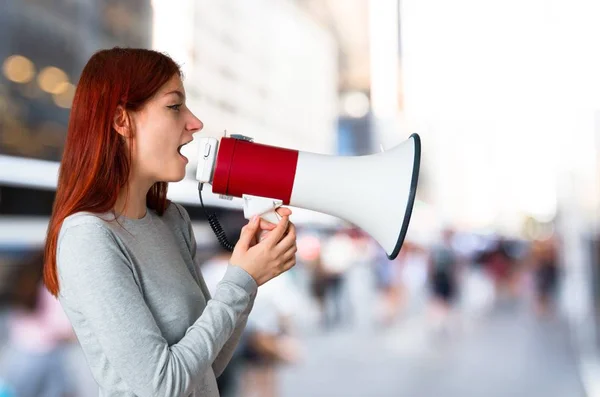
(178, 178)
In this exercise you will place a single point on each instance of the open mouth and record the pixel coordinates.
(179, 150)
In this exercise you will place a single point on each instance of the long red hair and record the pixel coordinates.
(96, 162)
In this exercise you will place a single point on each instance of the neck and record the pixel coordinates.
(131, 201)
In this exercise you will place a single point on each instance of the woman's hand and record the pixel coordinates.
(273, 255)
(266, 226)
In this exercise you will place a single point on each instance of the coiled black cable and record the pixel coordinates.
(215, 225)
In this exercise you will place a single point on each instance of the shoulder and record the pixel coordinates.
(87, 237)
(177, 216)
(90, 256)
(88, 251)
(87, 233)
(83, 224)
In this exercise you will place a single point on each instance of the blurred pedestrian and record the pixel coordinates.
(413, 258)
(443, 273)
(32, 363)
(338, 255)
(546, 273)
(270, 338)
(389, 284)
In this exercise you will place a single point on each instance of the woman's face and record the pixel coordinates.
(161, 127)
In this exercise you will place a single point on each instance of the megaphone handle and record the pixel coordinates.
(263, 207)
(272, 217)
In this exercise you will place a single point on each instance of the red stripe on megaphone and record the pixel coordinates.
(244, 167)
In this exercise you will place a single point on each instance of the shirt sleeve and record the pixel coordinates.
(97, 281)
(227, 351)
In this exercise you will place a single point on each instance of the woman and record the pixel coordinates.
(121, 258)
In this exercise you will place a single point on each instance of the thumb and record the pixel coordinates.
(248, 233)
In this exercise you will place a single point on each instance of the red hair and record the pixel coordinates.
(96, 162)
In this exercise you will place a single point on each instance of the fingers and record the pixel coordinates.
(289, 264)
(284, 267)
(248, 234)
(276, 234)
(290, 253)
(288, 241)
(283, 211)
(266, 225)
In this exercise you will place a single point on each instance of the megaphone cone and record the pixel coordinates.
(374, 192)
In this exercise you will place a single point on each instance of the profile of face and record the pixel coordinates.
(157, 132)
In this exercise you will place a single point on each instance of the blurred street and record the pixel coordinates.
(500, 350)
(507, 353)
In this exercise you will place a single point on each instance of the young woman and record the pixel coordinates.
(121, 258)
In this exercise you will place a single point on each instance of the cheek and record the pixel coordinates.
(151, 148)
(156, 151)
(149, 135)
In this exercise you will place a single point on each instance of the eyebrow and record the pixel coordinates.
(178, 93)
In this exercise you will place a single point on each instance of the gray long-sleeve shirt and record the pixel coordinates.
(140, 308)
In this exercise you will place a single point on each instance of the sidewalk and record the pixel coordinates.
(507, 353)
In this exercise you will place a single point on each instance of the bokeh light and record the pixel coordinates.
(53, 80)
(18, 69)
(64, 98)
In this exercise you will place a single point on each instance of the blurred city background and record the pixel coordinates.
(496, 291)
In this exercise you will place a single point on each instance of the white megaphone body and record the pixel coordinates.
(374, 192)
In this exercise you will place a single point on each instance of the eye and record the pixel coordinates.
(175, 107)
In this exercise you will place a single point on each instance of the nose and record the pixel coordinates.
(194, 124)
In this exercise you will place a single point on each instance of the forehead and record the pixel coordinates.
(174, 84)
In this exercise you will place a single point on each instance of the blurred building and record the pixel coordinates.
(263, 69)
(44, 46)
(510, 122)
(369, 85)
(578, 181)
(487, 107)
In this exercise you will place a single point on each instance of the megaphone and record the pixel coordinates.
(374, 192)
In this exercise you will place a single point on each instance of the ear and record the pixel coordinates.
(121, 122)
